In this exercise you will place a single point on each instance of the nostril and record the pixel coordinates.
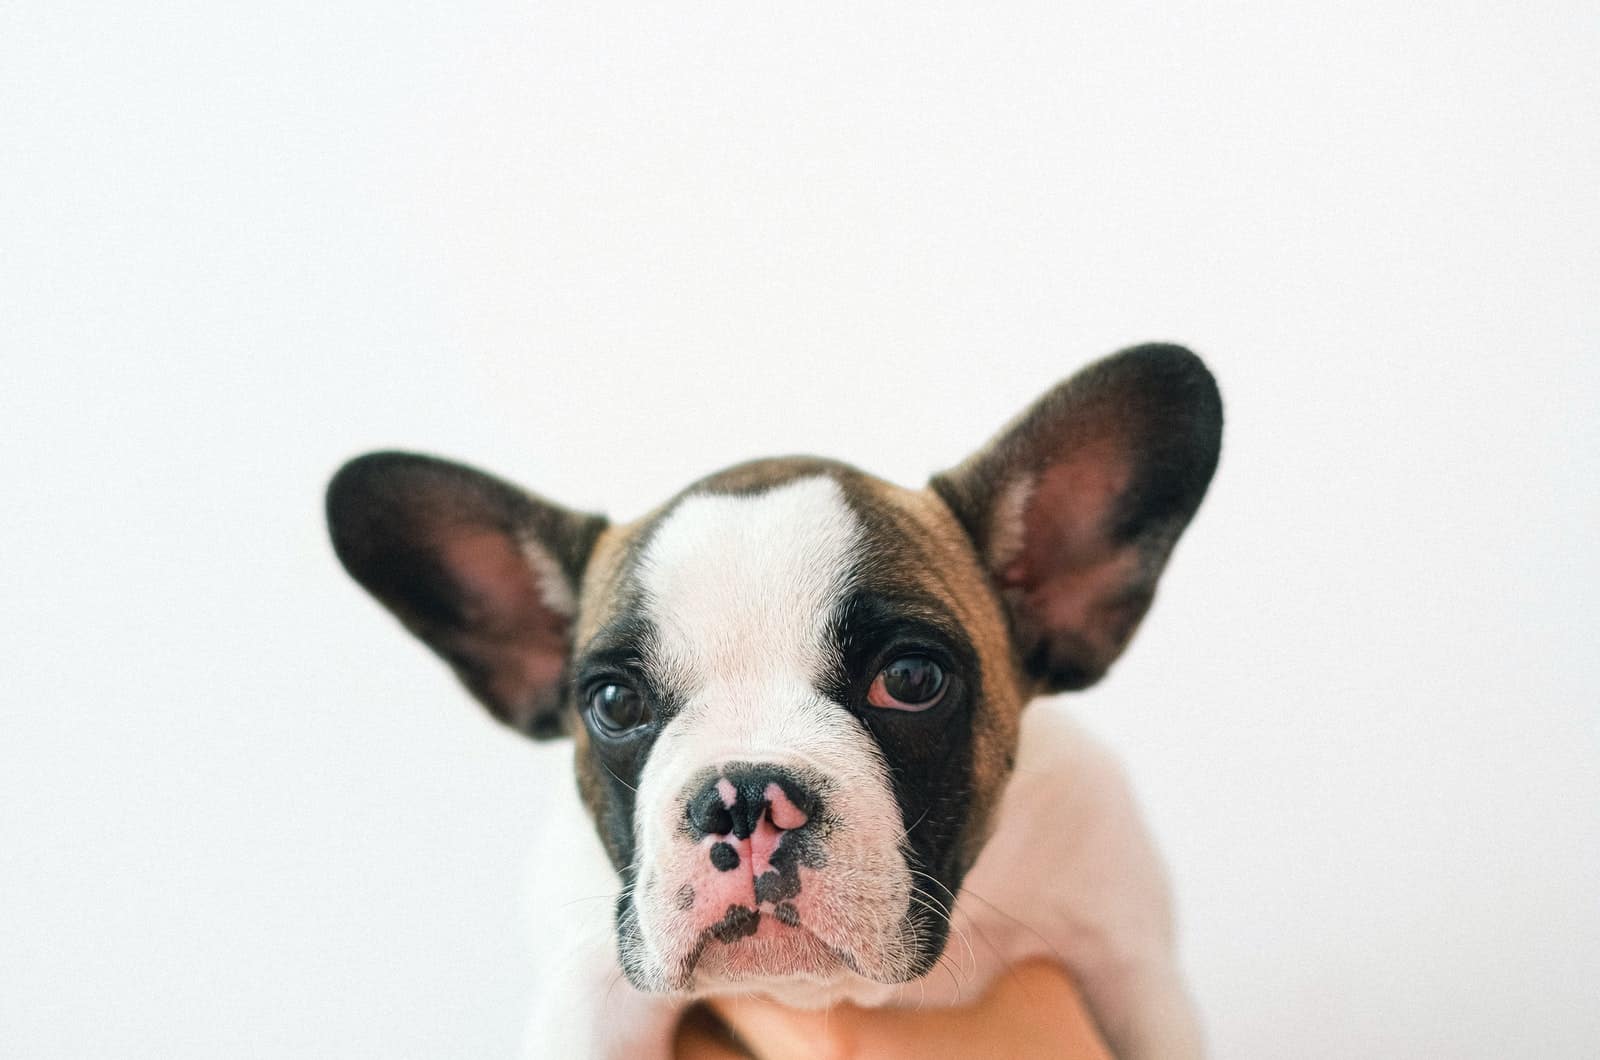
(742, 797)
(784, 813)
(708, 815)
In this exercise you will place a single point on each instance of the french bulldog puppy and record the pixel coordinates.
(795, 699)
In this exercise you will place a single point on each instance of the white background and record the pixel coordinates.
(604, 252)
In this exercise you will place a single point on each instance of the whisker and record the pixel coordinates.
(619, 780)
(590, 898)
(1020, 923)
(933, 900)
(616, 981)
(932, 904)
(907, 833)
(950, 919)
(950, 968)
(930, 907)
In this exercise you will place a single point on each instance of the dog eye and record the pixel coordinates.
(616, 708)
(911, 682)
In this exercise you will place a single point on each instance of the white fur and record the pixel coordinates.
(554, 591)
(1007, 530)
(1070, 873)
(741, 587)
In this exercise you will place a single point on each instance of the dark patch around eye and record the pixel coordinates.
(612, 762)
(929, 753)
(873, 628)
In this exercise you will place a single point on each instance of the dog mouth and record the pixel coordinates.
(764, 941)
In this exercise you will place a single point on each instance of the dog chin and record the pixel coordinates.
(752, 952)
(800, 971)
(773, 951)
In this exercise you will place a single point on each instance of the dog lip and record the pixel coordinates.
(741, 922)
(744, 929)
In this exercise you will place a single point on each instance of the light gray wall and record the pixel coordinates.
(604, 251)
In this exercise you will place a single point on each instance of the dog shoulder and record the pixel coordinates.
(582, 1003)
(1093, 894)
(1070, 814)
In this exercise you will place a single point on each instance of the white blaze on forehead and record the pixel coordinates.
(743, 586)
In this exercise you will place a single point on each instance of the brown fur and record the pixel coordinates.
(950, 570)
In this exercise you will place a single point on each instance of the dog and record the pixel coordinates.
(795, 698)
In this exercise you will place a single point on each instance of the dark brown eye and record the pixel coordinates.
(911, 682)
(616, 708)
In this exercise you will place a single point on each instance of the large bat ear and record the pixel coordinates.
(1074, 508)
(485, 574)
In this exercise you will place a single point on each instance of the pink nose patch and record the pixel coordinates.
(760, 831)
(782, 811)
(781, 815)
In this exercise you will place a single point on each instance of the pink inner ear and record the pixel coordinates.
(510, 633)
(499, 594)
(1072, 576)
(1065, 523)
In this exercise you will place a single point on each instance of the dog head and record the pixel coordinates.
(794, 688)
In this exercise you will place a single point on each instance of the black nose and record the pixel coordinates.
(732, 800)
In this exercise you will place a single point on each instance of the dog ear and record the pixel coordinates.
(485, 574)
(1075, 507)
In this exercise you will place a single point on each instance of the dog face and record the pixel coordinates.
(797, 703)
(794, 689)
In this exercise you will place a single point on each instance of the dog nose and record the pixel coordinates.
(736, 799)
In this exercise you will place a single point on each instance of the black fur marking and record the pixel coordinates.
(740, 921)
(685, 898)
(787, 914)
(782, 881)
(617, 652)
(776, 886)
(724, 859)
(929, 753)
